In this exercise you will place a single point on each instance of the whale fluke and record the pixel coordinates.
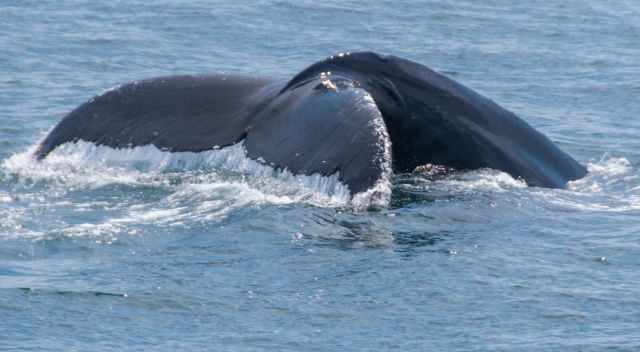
(360, 115)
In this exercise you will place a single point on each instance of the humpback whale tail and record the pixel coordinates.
(359, 115)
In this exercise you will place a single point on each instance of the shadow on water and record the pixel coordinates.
(417, 188)
(380, 230)
(36, 291)
(428, 208)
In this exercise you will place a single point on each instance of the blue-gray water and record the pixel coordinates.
(97, 258)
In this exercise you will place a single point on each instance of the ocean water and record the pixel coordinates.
(103, 250)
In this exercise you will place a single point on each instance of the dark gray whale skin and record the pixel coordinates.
(317, 122)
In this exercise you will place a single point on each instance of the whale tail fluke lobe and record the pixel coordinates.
(177, 113)
(432, 119)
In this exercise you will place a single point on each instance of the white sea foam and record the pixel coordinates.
(85, 165)
(604, 175)
(486, 180)
(460, 183)
(612, 185)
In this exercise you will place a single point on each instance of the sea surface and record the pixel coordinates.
(104, 250)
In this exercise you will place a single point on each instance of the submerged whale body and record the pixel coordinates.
(361, 115)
